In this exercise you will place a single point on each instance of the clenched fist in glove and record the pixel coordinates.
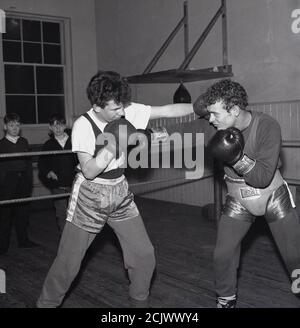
(228, 146)
(119, 134)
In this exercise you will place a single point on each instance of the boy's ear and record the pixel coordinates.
(235, 110)
(5, 127)
(96, 108)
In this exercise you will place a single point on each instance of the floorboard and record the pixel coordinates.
(184, 240)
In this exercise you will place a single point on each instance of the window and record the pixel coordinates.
(34, 68)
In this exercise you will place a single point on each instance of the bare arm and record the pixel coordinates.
(92, 166)
(171, 110)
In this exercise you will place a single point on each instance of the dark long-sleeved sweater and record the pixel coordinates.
(265, 150)
(15, 165)
(62, 165)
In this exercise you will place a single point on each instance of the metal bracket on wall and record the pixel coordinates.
(183, 74)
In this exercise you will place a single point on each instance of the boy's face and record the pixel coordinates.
(219, 117)
(111, 112)
(12, 128)
(57, 128)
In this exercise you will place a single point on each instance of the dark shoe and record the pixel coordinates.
(223, 303)
(28, 244)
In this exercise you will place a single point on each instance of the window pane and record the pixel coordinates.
(12, 51)
(32, 52)
(22, 105)
(13, 30)
(51, 32)
(31, 30)
(48, 105)
(50, 80)
(19, 79)
(52, 54)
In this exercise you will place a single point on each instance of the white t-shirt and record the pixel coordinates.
(83, 137)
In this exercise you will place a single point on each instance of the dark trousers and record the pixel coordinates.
(286, 233)
(61, 205)
(138, 255)
(15, 185)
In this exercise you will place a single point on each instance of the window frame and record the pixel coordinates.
(66, 56)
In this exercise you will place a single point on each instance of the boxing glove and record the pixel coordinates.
(200, 109)
(119, 134)
(228, 146)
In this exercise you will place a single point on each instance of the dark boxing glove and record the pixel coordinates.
(122, 134)
(228, 147)
(200, 109)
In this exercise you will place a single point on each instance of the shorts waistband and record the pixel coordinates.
(110, 182)
(233, 180)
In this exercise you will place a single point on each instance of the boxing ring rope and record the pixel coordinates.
(292, 144)
(287, 143)
(59, 152)
(35, 153)
(29, 199)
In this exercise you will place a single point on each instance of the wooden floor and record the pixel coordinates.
(184, 240)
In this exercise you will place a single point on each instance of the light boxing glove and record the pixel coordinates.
(155, 134)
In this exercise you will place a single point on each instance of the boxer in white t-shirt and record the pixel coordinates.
(100, 191)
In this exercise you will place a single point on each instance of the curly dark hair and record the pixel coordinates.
(106, 86)
(230, 92)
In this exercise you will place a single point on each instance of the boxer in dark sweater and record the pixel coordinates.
(248, 144)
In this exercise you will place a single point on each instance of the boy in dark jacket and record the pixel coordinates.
(15, 182)
(57, 171)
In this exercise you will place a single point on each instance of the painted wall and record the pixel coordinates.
(263, 49)
(263, 46)
(83, 49)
